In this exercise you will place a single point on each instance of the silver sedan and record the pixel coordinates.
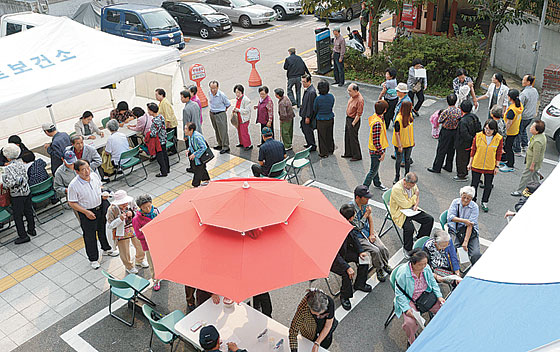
(244, 12)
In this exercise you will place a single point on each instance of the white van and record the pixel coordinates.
(17, 22)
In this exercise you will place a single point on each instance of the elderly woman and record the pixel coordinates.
(117, 143)
(462, 222)
(411, 281)
(323, 107)
(15, 179)
(242, 113)
(442, 255)
(265, 111)
(17, 141)
(121, 113)
(314, 320)
(197, 147)
(143, 216)
(119, 220)
(86, 127)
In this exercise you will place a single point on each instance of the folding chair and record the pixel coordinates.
(279, 166)
(328, 283)
(172, 142)
(386, 200)
(298, 162)
(133, 160)
(164, 327)
(104, 122)
(41, 192)
(392, 279)
(420, 242)
(129, 289)
(5, 216)
(443, 219)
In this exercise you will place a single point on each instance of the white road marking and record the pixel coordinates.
(205, 40)
(551, 162)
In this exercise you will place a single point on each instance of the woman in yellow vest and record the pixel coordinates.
(486, 151)
(403, 138)
(512, 118)
(377, 144)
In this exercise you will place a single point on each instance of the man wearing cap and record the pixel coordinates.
(339, 49)
(64, 175)
(60, 141)
(271, 152)
(210, 340)
(295, 68)
(402, 95)
(85, 152)
(370, 242)
(405, 195)
(84, 196)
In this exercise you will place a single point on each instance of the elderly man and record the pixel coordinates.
(534, 158)
(339, 50)
(84, 196)
(529, 98)
(85, 152)
(354, 111)
(210, 341)
(117, 143)
(306, 112)
(405, 198)
(219, 103)
(191, 111)
(462, 222)
(286, 115)
(363, 222)
(271, 152)
(64, 175)
(60, 141)
(166, 110)
(295, 68)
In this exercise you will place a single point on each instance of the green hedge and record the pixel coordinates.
(441, 56)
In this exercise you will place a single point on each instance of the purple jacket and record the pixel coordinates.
(265, 110)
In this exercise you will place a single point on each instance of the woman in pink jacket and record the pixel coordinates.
(146, 214)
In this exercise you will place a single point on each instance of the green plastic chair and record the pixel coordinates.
(5, 216)
(386, 201)
(298, 162)
(420, 242)
(164, 327)
(129, 289)
(443, 219)
(104, 122)
(172, 142)
(392, 279)
(72, 134)
(279, 166)
(40, 193)
(133, 160)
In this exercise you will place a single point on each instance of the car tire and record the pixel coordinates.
(281, 14)
(204, 32)
(349, 15)
(557, 140)
(245, 21)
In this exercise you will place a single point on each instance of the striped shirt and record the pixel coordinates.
(86, 193)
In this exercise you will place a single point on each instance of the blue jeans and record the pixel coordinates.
(521, 140)
(373, 173)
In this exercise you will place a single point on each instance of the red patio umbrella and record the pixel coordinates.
(241, 237)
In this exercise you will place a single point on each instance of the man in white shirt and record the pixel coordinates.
(84, 196)
(117, 143)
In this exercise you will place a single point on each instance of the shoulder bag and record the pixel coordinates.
(207, 155)
(5, 199)
(425, 302)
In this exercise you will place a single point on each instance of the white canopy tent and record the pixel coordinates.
(59, 60)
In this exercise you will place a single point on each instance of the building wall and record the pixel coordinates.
(513, 50)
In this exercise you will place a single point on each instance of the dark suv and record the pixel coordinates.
(194, 17)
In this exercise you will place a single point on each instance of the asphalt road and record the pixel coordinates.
(362, 329)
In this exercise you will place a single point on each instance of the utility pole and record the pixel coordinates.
(537, 46)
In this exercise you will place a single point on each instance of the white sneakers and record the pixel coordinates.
(132, 271)
(111, 253)
(144, 263)
(95, 265)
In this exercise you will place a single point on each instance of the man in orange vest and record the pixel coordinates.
(377, 144)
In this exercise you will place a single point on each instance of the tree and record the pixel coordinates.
(500, 13)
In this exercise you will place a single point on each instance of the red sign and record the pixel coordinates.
(252, 55)
(197, 72)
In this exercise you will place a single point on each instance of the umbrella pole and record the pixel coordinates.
(51, 113)
(185, 85)
(112, 98)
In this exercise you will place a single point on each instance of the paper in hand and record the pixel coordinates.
(409, 212)
(420, 73)
(365, 260)
(421, 321)
(463, 255)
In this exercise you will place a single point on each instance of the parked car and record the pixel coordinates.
(17, 22)
(244, 12)
(551, 118)
(346, 14)
(145, 23)
(194, 17)
(283, 8)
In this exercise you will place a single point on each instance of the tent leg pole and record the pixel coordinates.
(185, 82)
(51, 113)
(112, 98)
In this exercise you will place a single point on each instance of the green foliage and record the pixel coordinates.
(441, 56)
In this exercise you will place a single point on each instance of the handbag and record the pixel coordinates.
(417, 86)
(207, 155)
(423, 303)
(234, 121)
(5, 199)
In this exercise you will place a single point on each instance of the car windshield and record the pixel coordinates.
(242, 3)
(203, 9)
(159, 19)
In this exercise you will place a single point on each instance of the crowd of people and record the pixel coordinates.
(116, 220)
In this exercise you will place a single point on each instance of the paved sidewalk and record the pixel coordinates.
(50, 277)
